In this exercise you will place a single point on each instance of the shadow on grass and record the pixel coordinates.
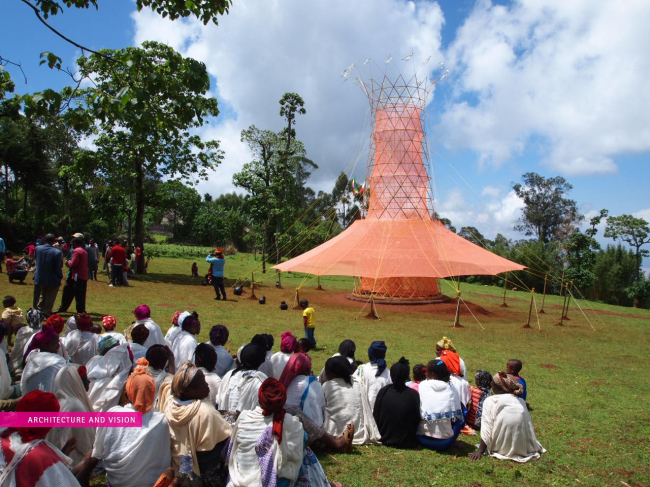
(169, 278)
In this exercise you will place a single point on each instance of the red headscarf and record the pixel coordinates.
(36, 401)
(83, 371)
(56, 322)
(109, 322)
(175, 318)
(298, 363)
(272, 396)
(84, 321)
(451, 360)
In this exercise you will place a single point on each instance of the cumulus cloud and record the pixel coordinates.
(566, 79)
(263, 49)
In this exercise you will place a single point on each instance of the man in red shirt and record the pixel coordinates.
(118, 258)
(79, 273)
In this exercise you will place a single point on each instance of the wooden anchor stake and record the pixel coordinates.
(544, 296)
(457, 318)
(279, 284)
(319, 288)
(505, 288)
(561, 323)
(530, 309)
(253, 286)
(372, 314)
(568, 301)
(296, 299)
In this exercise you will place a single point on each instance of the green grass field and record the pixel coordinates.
(586, 385)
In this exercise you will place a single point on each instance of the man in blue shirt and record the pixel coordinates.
(48, 275)
(218, 262)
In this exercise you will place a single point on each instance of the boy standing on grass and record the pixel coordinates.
(308, 321)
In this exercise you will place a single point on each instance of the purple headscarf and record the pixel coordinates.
(142, 312)
(288, 343)
(42, 338)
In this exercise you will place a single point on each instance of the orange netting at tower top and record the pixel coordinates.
(398, 250)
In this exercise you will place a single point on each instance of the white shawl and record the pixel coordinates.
(155, 333)
(23, 336)
(239, 391)
(214, 382)
(5, 377)
(159, 376)
(314, 405)
(107, 375)
(287, 456)
(134, 457)
(172, 333)
(40, 371)
(370, 384)
(118, 336)
(439, 406)
(462, 386)
(507, 429)
(72, 397)
(81, 346)
(278, 363)
(267, 367)
(183, 348)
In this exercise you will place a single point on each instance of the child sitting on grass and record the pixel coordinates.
(195, 270)
(513, 367)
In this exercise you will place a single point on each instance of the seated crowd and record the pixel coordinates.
(250, 419)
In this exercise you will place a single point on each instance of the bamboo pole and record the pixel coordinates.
(544, 295)
(279, 283)
(296, 299)
(253, 286)
(319, 288)
(561, 323)
(568, 302)
(372, 314)
(457, 318)
(530, 309)
(505, 288)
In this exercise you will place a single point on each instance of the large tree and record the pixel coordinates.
(547, 213)
(145, 106)
(632, 230)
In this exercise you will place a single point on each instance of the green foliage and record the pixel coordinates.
(581, 258)
(634, 231)
(547, 213)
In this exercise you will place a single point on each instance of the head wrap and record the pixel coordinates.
(42, 338)
(84, 321)
(140, 387)
(288, 342)
(272, 396)
(175, 318)
(83, 371)
(142, 312)
(451, 360)
(399, 373)
(36, 401)
(182, 316)
(298, 364)
(183, 378)
(483, 380)
(139, 333)
(446, 344)
(376, 354)
(56, 322)
(508, 383)
(339, 367)
(261, 341)
(34, 317)
(219, 335)
(347, 348)
(71, 324)
(109, 322)
(105, 344)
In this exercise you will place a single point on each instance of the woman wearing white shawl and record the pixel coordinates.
(288, 345)
(135, 457)
(198, 432)
(239, 387)
(42, 362)
(345, 404)
(173, 332)
(81, 343)
(347, 349)
(161, 368)
(304, 392)
(185, 342)
(374, 375)
(139, 335)
(107, 375)
(71, 394)
(23, 336)
(440, 409)
(5, 377)
(143, 316)
(218, 338)
(506, 427)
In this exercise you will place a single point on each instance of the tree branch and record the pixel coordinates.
(38, 15)
(5, 61)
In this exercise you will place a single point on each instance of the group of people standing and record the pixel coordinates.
(249, 418)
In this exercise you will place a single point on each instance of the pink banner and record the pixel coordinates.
(77, 420)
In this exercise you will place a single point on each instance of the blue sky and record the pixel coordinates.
(553, 87)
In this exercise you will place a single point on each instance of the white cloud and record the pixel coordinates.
(569, 78)
(263, 49)
(645, 214)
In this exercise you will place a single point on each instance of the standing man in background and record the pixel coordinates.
(218, 262)
(118, 259)
(48, 275)
(93, 250)
(79, 273)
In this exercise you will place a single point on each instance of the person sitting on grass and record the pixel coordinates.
(6, 389)
(452, 361)
(347, 348)
(513, 367)
(175, 329)
(23, 336)
(161, 368)
(304, 346)
(303, 389)
(397, 409)
(134, 457)
(506, 426)
(374, 375)
(185, 342)
(239, 387)
(14, 270)
(57, 323)
(42, 362)
(482, 391)
(13, 316)
(205, 359)
(288, 345)
(107, 373)
(218, 338)
(195, 270)
(199, 434)
(81, 343)
(345, 404)
(143, 316)
(139, 336)
(265, 341)
(109, 323)
(440, 409)
(419, 374)
(447, 344)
